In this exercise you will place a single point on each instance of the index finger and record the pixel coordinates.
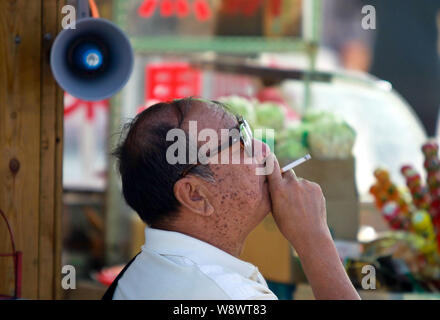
(274, 178)
(290, 175)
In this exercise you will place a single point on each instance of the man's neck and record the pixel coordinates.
(228, 243)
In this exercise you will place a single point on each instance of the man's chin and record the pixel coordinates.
(266, 207)
(268, 200)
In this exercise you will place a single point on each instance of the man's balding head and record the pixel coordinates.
(147, 177)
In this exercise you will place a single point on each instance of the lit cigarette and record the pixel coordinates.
(296, 163)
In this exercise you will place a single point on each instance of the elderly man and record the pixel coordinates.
(199, 214)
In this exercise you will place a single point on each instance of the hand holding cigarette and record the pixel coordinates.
(299, 210)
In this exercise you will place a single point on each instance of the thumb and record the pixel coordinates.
(274, 178)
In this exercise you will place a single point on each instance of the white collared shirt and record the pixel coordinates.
(173, 265)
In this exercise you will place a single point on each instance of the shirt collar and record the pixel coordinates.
(202, 253)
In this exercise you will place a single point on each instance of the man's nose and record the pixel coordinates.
(261, 150)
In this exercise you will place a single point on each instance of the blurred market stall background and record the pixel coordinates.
(356, 99)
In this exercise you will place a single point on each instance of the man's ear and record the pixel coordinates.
(193, 195)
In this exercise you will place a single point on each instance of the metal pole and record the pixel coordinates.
(311, 35)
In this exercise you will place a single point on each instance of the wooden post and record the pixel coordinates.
(31, 123)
